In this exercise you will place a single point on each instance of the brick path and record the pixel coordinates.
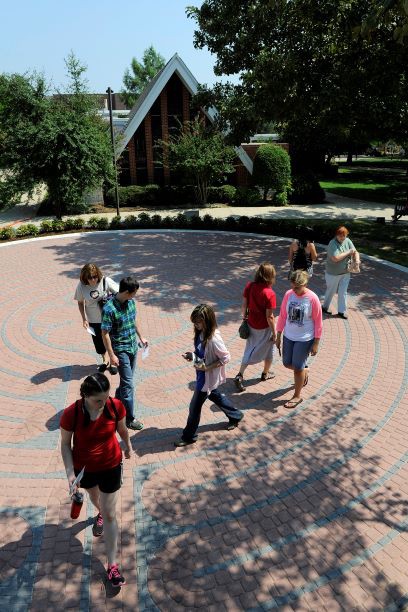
(296, 510)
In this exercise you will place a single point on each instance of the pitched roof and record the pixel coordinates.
(153, 90)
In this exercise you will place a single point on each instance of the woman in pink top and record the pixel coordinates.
(300, 320)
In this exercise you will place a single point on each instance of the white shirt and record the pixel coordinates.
(92, 295)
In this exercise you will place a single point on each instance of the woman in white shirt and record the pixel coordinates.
(93, 288)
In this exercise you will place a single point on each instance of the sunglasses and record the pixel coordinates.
(95, 277)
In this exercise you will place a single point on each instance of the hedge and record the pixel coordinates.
(364, 232)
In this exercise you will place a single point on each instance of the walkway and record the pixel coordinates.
(336, 207)
(296, 510)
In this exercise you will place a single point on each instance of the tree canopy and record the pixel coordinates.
(302, 66)
(140, 74)
(58, 140)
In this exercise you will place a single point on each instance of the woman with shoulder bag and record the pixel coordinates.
(258, 303)
(93, 288)
(340, 254)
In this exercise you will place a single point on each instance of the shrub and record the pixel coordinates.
(73, 224)
(247, 196)
(144, 220)
(306, 189)
(224, 194)
(101, 223)
(57, 225)
(116, 223)
(7, 233)
(281, 199)
(134, 195)
(46, 226)
(271, 169)
(130, 222)
(28, 229)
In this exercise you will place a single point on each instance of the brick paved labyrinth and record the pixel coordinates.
(296, 510)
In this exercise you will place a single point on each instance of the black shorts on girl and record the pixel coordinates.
(108, 481)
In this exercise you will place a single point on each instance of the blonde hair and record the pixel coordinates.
(299, 278)
(266, 273)
(90, 269)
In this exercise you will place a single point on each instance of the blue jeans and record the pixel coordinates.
(125, 391)
(194, 415)
(337, 283)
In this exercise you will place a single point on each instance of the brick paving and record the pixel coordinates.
(295, 510)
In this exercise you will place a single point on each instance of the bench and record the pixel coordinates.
(399, 211)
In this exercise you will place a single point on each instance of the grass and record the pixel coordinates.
(371, 179)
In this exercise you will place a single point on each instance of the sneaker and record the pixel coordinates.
(114, 576)
(181, 443)
(342, 315)
(102, 367)
(238, 380)
(134, 424)
(326, 310)
(97, 527)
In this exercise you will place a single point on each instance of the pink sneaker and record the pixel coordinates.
(97, 527)
(114, 576)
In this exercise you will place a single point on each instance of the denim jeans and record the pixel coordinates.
(125, 391)
(337, 283)
(194, 415)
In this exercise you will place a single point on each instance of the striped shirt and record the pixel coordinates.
(119, 320)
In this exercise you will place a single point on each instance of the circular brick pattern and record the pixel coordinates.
(295, 508)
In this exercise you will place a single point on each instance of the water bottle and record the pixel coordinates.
(77, 501)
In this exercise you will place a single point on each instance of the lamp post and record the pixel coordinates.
(110, 92)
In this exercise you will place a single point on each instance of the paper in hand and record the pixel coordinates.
(91, 331)
(145, 352)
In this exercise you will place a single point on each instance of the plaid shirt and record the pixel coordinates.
(119, 320)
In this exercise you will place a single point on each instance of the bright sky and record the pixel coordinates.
(104, 34)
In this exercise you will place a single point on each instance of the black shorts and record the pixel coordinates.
(108, 481)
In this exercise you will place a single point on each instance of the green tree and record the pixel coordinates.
(140, 74)
(199, 153)
(391, 12)
(302, 66)
(272, 170)
(58, 140)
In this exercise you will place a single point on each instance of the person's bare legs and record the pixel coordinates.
(108, 511)
(94, 497)
(267, 366)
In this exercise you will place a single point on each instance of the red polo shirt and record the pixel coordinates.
(260, 297)
(95, 446)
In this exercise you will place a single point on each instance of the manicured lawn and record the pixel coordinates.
(371, 179)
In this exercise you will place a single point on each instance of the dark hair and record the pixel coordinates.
(129, 283)
(205, 313)
(94, 384)
(305, 236)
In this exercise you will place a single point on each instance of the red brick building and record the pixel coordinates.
(164, 103)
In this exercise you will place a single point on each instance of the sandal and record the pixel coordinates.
(267, 375)
(292, 403)
(238, 380)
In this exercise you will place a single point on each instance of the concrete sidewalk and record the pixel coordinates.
(336, 207)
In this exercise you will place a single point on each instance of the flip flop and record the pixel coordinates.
(292, 403)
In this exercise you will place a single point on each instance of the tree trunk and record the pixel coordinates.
(350, 157)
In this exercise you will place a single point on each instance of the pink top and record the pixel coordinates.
(300, 316)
